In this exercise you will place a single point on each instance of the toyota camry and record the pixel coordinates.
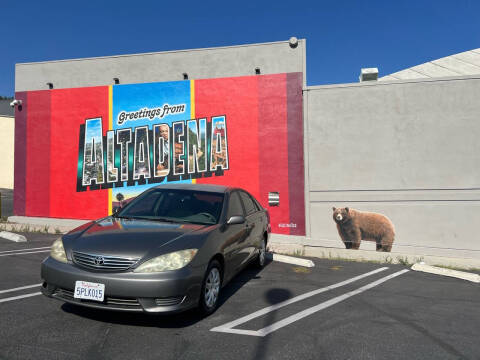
(170, 249)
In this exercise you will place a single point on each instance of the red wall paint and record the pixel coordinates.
(273, 151)
(296, 177)
(258, 138)
(37, 189)
(71, 108)
(237, 99)
(20, 160)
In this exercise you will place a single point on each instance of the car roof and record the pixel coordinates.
(197, 187)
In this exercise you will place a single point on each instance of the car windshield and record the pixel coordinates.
(169, 205)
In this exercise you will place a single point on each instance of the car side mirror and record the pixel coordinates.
(237, 219)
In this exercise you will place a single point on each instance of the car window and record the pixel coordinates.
(257, 205)
(146, 205)
(234, 206)
(250, 207)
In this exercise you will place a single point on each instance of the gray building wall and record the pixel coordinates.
(271, 58)
(6, 109)
(406, 149)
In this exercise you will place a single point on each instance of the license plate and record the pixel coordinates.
(88, 290)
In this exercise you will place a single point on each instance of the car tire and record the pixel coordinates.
(261, 257)
(211, 285)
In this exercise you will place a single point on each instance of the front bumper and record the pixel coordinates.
(171, 291)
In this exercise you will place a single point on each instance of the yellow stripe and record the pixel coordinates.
(192, 99)
(110, 127)
(192, 108)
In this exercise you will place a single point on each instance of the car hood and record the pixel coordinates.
(126, 237)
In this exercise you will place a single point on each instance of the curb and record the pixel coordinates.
(330, 253)
(32, 228)
(447, 272)
(12, 237)
(291, 260)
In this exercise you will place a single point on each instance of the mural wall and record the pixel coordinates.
(79, 150)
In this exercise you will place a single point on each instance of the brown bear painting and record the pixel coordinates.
(354, 225)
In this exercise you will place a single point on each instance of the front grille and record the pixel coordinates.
(64, 294)
(103, 262)
(109, 302)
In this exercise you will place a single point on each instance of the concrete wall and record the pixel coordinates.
(271, 58)
(406, 149)
(7, 136)
(5, 108)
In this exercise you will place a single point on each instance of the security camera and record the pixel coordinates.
(15, 102)
(293, 42)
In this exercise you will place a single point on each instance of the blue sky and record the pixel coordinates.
(342, 36)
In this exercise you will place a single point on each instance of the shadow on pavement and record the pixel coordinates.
(179, 320)
(273, 296)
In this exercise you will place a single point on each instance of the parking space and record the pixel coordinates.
(20, 262)
(336, 310)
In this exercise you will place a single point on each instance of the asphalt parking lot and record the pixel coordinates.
(336, 310)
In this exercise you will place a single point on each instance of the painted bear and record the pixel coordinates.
(354, 225)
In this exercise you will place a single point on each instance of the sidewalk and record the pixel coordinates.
(296, 245)
(39, 224)
(281, 244)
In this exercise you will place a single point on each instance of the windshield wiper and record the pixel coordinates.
(156, 219)
(121, 217)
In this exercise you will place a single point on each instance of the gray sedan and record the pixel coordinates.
(170, 249)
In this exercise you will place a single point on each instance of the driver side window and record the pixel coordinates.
(146, 206)
(235, 207)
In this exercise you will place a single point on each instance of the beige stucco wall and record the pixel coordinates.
(7, 136)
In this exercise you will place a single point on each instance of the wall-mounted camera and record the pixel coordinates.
(16, 102)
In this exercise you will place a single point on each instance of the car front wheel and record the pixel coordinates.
(211, 288)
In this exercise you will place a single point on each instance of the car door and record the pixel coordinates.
(235, 236)
(253, 219)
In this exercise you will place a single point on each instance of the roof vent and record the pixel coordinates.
(368, 74)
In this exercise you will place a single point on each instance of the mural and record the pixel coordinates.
(354, 226)
(79, 152)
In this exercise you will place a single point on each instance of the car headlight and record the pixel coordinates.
(58, 252)
(172, 261)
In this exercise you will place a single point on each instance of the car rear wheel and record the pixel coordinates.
(260, 261)
(211, 288)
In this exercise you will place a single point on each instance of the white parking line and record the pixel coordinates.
(19, 288)
(228, 327)
(26, 249)
(20, 297)
(25, 252)
(295, 299)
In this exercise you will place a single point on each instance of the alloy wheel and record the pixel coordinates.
(212, 287)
